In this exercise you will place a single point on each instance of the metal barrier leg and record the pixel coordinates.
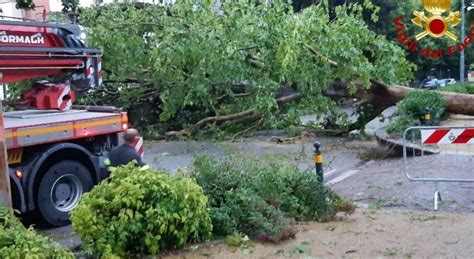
(437, 197)
(452, 135)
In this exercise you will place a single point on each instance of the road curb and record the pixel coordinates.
(385, 139)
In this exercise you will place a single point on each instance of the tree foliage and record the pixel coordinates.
(233, 57)
(68, 5)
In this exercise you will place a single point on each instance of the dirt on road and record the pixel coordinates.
(365, 234)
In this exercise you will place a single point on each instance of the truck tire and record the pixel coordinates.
(60, 190)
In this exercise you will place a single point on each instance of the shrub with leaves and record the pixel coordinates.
(410, 110)
(252, 215)
(141, 212)
(16, 241)
(260, 199)
(299, 194)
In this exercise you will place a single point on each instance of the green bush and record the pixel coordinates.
(298, 194)
(16, 241)
(259, 199)
(141, 212)
(252, 215)
(410, 110)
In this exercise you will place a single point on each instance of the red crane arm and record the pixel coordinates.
(31, 50)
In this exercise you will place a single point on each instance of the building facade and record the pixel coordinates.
(9, 10)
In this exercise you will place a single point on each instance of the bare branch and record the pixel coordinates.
(207, 120)
(258, 124)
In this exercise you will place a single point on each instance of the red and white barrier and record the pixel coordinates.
(447, 136)
(139, 146)
(449, 140)
(93, 74)
(89, 69)
(99, 71)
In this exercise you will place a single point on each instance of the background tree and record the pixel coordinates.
(389, 10)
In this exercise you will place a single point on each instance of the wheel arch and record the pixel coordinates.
(53, 154)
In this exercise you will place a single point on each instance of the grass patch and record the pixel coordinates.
(383, 202)
(376, 187)
(389, 252)
(459, 88)
(303, 248)
(423, 218)
(238, 240)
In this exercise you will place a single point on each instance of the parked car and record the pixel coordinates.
(447, 81)
(430, 83)
(450, 81)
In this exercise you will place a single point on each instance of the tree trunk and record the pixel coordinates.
(455, 102)
(459, 103)
(382, 96)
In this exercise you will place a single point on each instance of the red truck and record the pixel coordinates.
(56, 150)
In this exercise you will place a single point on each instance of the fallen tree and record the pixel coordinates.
(380, 96)
(238, 66)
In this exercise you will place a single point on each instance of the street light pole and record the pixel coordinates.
(463, 24)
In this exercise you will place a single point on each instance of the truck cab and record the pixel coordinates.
(55, 149)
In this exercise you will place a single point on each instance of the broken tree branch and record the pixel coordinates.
(234, 116)
(288, 98)
(247, 115)
(258, 124)
(239, 115)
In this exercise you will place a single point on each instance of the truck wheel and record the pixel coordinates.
(60, 190)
